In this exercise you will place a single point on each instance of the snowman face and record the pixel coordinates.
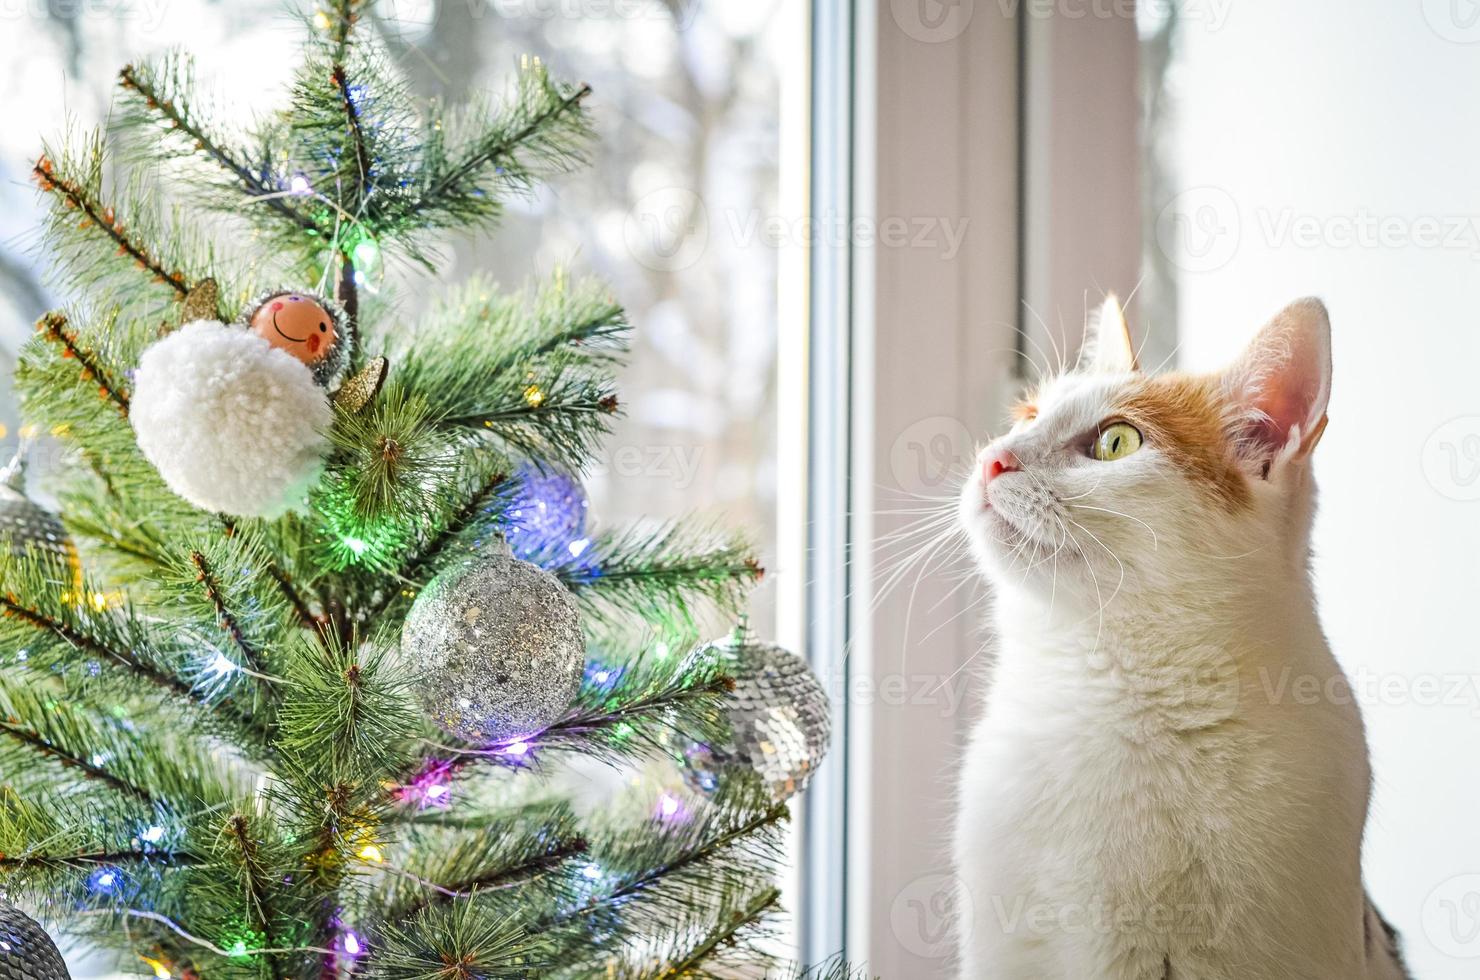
(297, 324)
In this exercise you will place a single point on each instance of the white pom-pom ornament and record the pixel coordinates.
(232, 423)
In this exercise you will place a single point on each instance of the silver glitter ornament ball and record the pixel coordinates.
(30, 526)
(496, 648)
(779, 720)
(26, 951)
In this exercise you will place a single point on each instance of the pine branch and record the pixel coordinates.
(723, 933)
(110, 636)
(258, 891)
(488, 494)
(229, 622)
(462, 941)
(347, 295)
(27, 737)
(53, 326)
(11, 608)
(707, 850)
(496, 151)
(352, 121)
(453, 532)
(100, 216)
(347, 291)
(283, 582)
(389, 466)
(666, 573)
(133, 855)
(558, 853)
(146, 85)
(346, 15)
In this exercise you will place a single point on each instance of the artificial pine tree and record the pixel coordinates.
(219, 753)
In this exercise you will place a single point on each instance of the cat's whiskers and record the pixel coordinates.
(1155, 542)
(1103, 603)
(1050, 369)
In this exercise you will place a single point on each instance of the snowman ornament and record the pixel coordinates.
(235, 416)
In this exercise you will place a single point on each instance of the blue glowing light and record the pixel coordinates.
(105, 881)
(602, 677)
(547, 515)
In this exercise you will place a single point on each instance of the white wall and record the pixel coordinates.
(1331, 147)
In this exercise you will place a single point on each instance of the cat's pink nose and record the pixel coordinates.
(997, 463)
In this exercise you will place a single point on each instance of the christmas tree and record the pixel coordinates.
(282, 693)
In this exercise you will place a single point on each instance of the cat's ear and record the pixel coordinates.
(1107, 341)
(1282, 382)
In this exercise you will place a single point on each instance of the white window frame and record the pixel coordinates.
(1022, 126)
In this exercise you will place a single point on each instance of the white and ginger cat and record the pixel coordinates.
(1171, 778)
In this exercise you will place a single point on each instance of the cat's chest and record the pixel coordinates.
(1079, 820)
(1144, 764)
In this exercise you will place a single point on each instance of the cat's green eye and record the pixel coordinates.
(1116, 441)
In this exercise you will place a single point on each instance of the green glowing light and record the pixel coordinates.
(357, 545)
(366, 254)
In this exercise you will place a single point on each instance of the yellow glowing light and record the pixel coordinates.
(371, 852)
(533, 396)
(160, 970)
(28, 431)
(99, 601)
(321, 20)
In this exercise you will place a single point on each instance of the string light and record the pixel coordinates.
(300, 185)
(671, 808)
(153, 835)
(533, 396)
(221, 666)
(366, 254)
(601, 677)
(104, 881)
(160, 970)
(430, 788)
(372, 852)
(547, 514)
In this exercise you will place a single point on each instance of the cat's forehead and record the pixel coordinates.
(1078, 400)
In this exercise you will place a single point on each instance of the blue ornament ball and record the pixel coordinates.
(547, 517)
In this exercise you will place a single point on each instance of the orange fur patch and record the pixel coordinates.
(1024, 411)
(1183, 416)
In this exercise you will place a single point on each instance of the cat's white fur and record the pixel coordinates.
(1170, 777)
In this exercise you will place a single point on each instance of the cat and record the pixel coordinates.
(1170, 779)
